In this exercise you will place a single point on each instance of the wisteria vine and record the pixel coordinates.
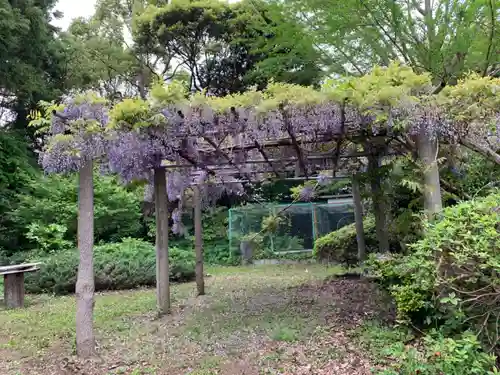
(221, 144)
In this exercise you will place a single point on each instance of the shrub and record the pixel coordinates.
(451, 276)
(411, 282)
(440, 355)
(54, 200)
(341, 245)
(48, 238)
(126, 265)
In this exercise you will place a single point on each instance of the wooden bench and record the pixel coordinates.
(13, 277)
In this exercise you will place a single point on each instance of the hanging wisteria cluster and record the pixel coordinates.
(77, 134)
(224, 144)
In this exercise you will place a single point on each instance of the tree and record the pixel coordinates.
(228, 48)
(176, 140)
(52, 199)
(445, 38)
(33, 60)
(261, 45)
(17, 170)
(101, 61)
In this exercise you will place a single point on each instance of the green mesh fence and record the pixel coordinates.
(299, 225)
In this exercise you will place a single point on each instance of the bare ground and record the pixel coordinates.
(265, 320)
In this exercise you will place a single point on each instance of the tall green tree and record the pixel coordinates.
(102, 61)
(108, 60)
(32, 64)
(444, 37)
(228, 47)
(17, 172)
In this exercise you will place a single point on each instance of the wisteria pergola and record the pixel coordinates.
(211, 151)
(212, 145)
(231, 162)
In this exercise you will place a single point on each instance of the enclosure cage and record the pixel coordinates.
(298, 226)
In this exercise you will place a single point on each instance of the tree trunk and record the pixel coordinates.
(162, 266)
(85, 341)
(198, 233)
(358, 217)
(427, 152)
(380, 209)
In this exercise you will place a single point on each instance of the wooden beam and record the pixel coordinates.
(262, 161)
(223, 154)
(266, 158)
(236, 181)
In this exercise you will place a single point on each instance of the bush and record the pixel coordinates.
(451, 277)
(48, 239)
(126, 265)
(53, 200)
(440, 355)
(341, 245)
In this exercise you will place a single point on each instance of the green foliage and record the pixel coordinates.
(455, 37)
(385, 87)
(53, 200)
(271, 223)
(125, 265)
(242, 45)
(450, 277)
(48, 239)
(462, 355)
(100, 59)
(255, 239)
(215, 239)
(476, 175)
(130, 114)
(340, 246)
(16, 174)
(472, 98)
(32, 58)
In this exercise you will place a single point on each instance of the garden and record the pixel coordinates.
(211, 198)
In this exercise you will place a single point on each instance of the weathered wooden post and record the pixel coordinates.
(162, 264)
(380, 209)
(198, 234)
(13, 276)
(358, 217)
(246, 252)
(14, 290)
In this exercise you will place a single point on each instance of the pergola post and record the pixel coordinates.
(162, 265)
(198, 234)
(358, 217)
(14, 290)
(379, 206)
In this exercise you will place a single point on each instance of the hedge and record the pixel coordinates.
(126, 265)
(341, 246)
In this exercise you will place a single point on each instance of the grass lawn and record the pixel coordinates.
(255, 320)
